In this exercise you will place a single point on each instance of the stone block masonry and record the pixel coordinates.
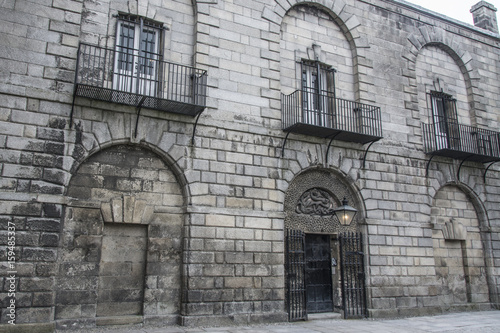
(134, 215)
(96, 253)
(233, 268)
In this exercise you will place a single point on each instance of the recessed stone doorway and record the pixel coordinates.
(122, 270)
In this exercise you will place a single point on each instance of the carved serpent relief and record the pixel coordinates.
(315, 202)
(311, 199)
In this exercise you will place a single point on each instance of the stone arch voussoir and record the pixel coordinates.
(82, 154)
(474, 198)
(427, 35)
(348, 22)
(332, 180)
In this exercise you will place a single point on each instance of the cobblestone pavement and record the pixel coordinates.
(482, 322)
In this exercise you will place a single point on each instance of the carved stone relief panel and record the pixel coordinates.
(316, 201)
(311, 199)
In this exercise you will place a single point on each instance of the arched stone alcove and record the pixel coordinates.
(121, 249)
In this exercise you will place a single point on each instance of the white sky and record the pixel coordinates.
(457, 9)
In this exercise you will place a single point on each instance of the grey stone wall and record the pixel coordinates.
(125, 220)
(215, 209)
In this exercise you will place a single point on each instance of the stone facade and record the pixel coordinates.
(112, 214)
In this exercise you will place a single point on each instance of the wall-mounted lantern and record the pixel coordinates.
(345, 213)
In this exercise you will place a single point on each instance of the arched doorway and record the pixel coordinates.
(324, 264)
(459, 257)
(121, 247)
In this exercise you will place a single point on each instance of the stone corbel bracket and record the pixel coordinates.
(127, 209)
(452, 230)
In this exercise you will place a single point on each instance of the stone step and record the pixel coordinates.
(324, 316)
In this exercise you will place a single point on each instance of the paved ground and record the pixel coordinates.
(480, 322)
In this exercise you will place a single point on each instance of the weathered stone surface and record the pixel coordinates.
(213, 201)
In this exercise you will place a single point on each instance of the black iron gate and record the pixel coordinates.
(298, 283)
(318, 274)
(295, 275)
(352, 275)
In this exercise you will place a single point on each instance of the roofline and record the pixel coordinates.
(443, 17)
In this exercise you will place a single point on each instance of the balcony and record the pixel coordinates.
(139, 79)
(323, 115)
(466, 143)
(461, 142)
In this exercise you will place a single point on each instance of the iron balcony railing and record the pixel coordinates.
(321, 114)
(139, 78)
(454, 140)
